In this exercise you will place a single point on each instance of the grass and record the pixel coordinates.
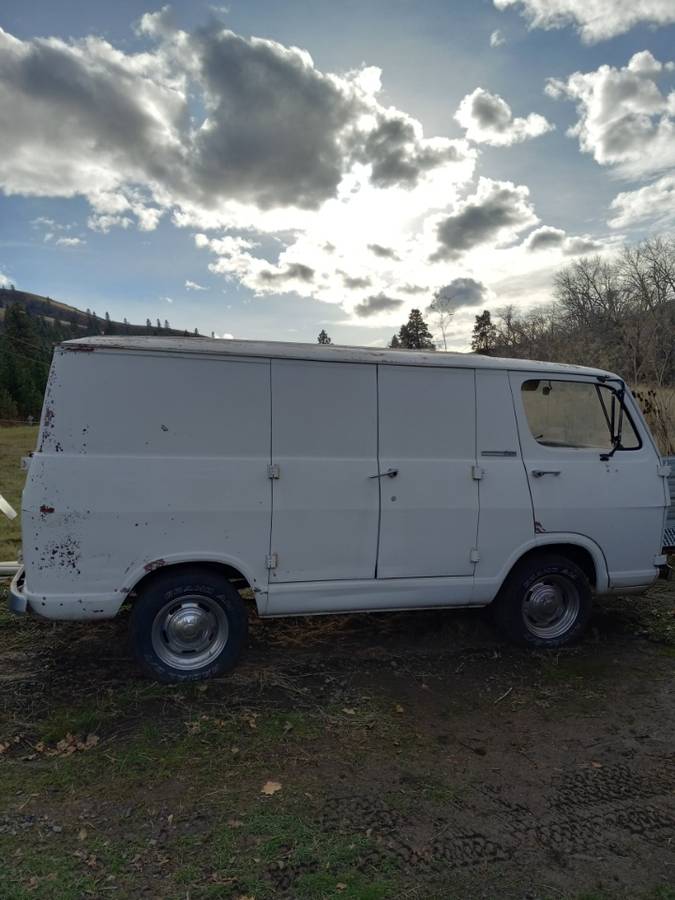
(15, 442)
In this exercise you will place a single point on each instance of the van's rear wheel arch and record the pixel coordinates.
(546, 600)
(188, 622)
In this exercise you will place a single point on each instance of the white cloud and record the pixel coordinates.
(548, 238)
(495, 214)
(654, 203)
(596, 20)
(70, 242)
(625, 121)
(4, 280)
(194, 286)
(497, 39)
(276, 135)
(488, 119)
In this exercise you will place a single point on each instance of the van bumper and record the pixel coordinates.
(61, 607)
(18, 602)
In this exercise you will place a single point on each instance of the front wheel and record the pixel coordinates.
(545, 602)
(188, 625)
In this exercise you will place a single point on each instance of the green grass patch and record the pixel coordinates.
(15, 442)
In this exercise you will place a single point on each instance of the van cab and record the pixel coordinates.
(171, 473)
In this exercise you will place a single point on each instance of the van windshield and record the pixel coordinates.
(578, 414)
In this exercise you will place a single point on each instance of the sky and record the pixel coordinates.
(266, 169)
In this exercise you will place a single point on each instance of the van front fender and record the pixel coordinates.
(486, 589)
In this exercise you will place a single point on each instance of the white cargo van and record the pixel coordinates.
(174, 472)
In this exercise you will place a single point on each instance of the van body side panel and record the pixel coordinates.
(145, 461)
(324, 442)
(506, 521)
(617, 503)
(427, 422)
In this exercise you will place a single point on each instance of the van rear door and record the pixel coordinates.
(427, 431)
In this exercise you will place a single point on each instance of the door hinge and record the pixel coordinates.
(272, 560)
(474, 556)
(273, 470)
(477, 473)
(663, 471)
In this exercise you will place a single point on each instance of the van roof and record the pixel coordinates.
(324, 352)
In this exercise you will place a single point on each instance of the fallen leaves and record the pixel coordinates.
(270, 788)
(71, 743)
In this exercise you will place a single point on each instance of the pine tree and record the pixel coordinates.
(159, 325)
(323, 337)
(415, 334)
(394, 343)
(484, 334)
(108, 327)
(166, 324)
(148, 324)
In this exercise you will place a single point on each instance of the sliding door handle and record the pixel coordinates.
(539, 473)
(390, 473)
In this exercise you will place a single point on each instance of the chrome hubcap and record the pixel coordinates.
(189, 632)
(551, 607)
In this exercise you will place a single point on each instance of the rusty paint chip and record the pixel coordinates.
(46, 509)
(155, 564)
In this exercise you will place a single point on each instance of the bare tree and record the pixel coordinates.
(442, 312)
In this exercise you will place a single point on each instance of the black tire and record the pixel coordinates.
(188, 625)
(542, 586)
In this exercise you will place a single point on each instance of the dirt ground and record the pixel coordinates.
(409, 756)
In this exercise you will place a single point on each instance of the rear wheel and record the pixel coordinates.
(545, 602)
(188, 625)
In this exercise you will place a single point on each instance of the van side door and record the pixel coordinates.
(427, 436)
(325, 505)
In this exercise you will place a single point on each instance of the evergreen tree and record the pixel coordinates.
(159, 325)
(108, 327)
(166, 324)
(484, 334)
(394, 343)
(323, 337)
(23, 361)
(8, 407)
(148, 324)
(415, 334)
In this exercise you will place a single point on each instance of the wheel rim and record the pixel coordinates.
(190, 632)
(551, 607)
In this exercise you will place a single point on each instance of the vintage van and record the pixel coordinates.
(171, 473)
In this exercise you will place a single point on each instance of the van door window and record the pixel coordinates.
(578, 414)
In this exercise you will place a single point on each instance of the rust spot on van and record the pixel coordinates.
(155, 564)
(44, 510)
(539, 528)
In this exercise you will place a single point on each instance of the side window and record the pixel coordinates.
(577, 414)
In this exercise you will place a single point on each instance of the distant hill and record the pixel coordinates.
(30, 327)
(55, 312)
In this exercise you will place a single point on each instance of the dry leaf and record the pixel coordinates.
(82, 834)
(270, 787)
(596, 765)
(399, 708)
(340, 886)
(348, 710)
(234, 823)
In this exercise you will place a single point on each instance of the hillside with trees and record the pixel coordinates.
(30, 328)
